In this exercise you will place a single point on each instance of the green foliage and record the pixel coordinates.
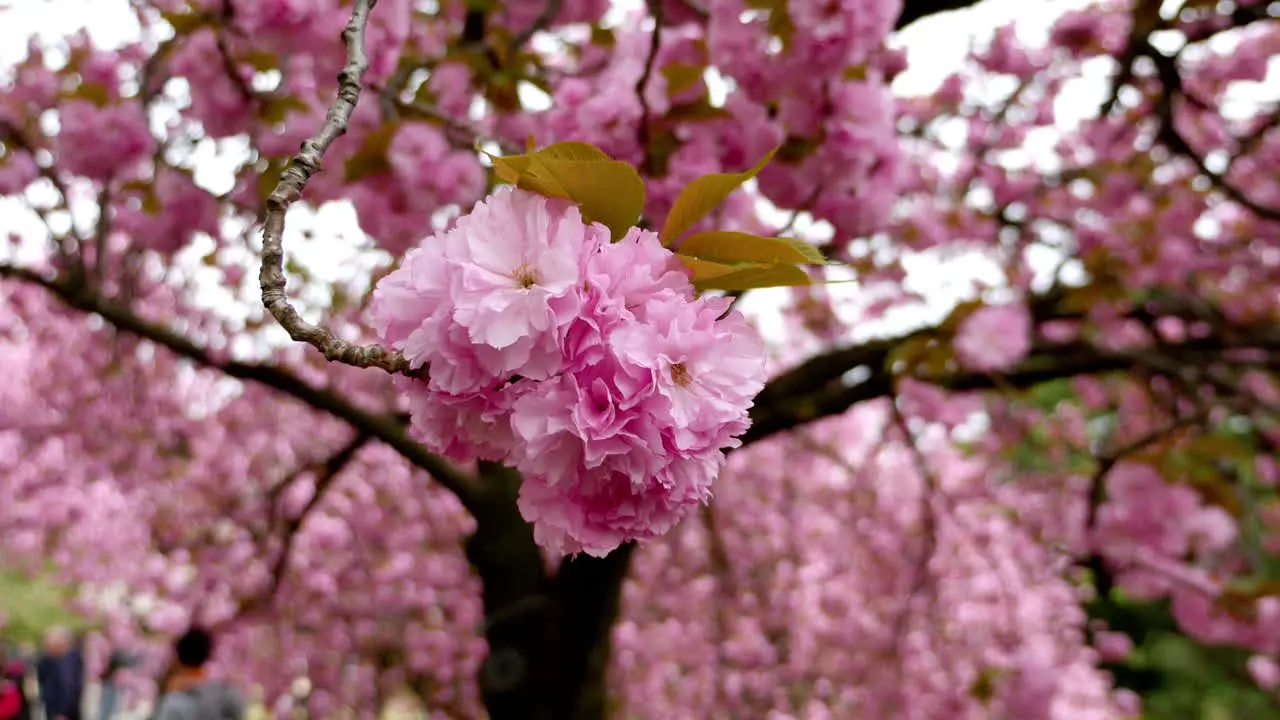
(31, 605)
(371, 158)
(185, 23)
(608, 191)
(750, 277)
(703, 195)
(611, 192)
(1177, 677)
(730, 247)
(681, 77)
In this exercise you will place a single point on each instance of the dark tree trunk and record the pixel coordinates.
(548, 634)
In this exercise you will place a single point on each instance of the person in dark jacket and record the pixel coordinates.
(60, 674)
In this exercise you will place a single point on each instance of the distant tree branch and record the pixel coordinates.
(1171, 78)
(913, 10)
(385, 428)
(825, 386)
(289, 189)
(326, 474)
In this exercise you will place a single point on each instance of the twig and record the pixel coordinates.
(655, 42)
(328, 473)
(920, 571)
(228, 61)
(1171, 80)
(100, 234)
(289, 189)
(12, 134)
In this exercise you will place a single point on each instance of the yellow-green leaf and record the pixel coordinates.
(91, 91)
(187, 22)
(681, 77)
(262, 60)
(603, 37)
(700, 110)
(739, 247)
(758, 276)
(277, 109)
(371, 158)
(509, 168)
(705, 269)
(607, 191)
(702, 196)
(269, 177)
(574, 151)
(610, 192)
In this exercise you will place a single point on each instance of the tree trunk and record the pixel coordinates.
(548, 635)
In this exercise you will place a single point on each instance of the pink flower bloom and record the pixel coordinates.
(490, 299)
(81, 149)
(589, 366)
(1264, 671)
(994, 338)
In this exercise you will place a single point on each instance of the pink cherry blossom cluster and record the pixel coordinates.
(590, 366)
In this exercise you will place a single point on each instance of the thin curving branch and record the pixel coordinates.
(655, 42)
(289, 189)
(326, 475)
(387, 429)
(1175, 141)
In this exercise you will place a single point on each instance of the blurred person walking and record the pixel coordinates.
(109, 687)
(60, 675)
(190, 694)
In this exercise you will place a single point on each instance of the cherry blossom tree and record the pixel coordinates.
(520, 452)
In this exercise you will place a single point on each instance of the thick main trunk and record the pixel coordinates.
(548, 635)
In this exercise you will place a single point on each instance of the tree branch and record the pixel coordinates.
(913, 10)
(328, 472)
(655, 43)
(1171, 80)
(385, 428)
(289, 189)
(823, 385)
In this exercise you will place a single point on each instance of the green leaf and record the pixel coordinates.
(705, 269)
(262, 60)
(700, 110)
(606, 190)
(269, 177)
(702, 196)
(91, 91)
(574, 151)
(738, 247)
(795, 148)
(681, 77)
(609, 192)
(277, 109)
(371, 158)
(603, 37)
(758, 276)
(187, 22)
